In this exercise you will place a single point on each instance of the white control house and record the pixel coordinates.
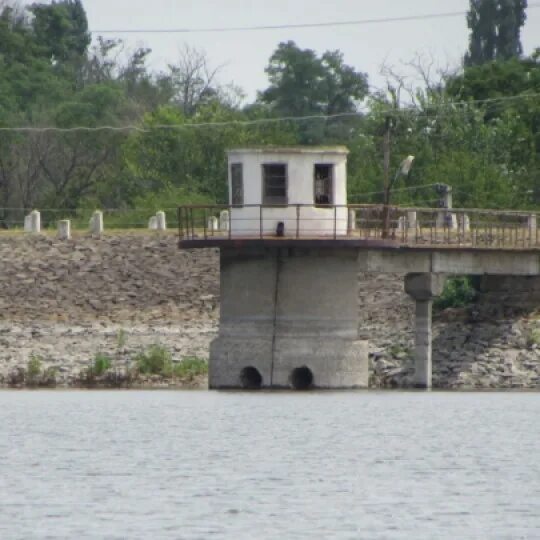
(289, 191)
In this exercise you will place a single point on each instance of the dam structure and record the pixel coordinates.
(291, 250)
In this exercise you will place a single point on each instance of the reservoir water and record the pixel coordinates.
(200, 465)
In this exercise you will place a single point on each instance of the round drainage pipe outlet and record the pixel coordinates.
(250, 378)
(302, 378)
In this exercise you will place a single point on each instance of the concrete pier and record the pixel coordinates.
(288, 319)
(423, 288)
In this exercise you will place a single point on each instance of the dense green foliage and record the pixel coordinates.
(495, 30)
(458, 292)
(102, 363)
(51, 74)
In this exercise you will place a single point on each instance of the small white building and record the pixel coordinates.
(304, 188)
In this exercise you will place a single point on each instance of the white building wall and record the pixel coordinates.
(313, 221)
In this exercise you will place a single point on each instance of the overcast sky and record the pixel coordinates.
(245, 54)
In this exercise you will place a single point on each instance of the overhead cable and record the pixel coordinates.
(379, 20)
(260, 121)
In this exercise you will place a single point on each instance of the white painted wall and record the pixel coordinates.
(314, 221)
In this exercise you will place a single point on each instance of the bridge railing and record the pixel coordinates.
(394, 225)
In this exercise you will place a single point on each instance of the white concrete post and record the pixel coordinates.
(35, 221)
(446, 220)
(352, 220)
(213, 224)
(224, 220)
(64, 229)
(465, 223)
(411, 220)
(96, 224)
(27, 225)
(152, 223)
(402, 223)
(531, 224)
(161, 221)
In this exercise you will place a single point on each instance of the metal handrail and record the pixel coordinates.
(406, 226)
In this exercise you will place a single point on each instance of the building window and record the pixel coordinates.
(237, 184)
(323, 184)
(275, 184)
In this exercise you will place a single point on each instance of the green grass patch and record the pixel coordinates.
(102, 363)
(534, 337)
(156, 360)
(190, 367)
(33, 369)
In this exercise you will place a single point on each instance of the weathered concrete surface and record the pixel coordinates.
(423, 288)
(450, 261)
(283, 309)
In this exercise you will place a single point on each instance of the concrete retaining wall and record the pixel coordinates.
(65, 301)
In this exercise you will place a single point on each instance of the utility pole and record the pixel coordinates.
(386, 178)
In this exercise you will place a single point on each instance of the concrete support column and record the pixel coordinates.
(286, 311)
(422, 345)
(423, 288)
(64, 229)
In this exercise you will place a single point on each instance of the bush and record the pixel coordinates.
(458, 292)
(190, 367)
(534, 337)
(156, 360)
(102, 363)
(36, 376)
(33, 371)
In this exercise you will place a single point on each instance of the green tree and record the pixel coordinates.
(303, 83)
(495, 27)
(513, 115)
(193, 159)
(61, 29)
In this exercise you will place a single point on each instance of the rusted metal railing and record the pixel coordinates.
(407, 226)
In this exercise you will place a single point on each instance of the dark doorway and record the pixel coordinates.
(250, 378)
(323, 184)
(302, 378)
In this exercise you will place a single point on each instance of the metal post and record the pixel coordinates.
(297, 221)
(386, 169)
(261, 221)
(180, 224)
(205, 218)
(335, 222)
(230, 222)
